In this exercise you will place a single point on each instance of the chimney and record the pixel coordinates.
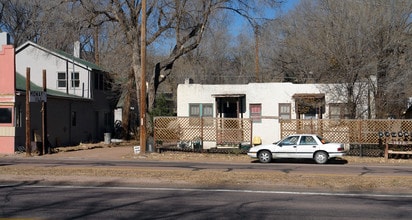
(4, 38)
(188, 81)
(76, 49)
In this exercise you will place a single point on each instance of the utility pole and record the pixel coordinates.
(256, 30)
(96, 45)
(143, 81)
(44, 117)
(28, 136)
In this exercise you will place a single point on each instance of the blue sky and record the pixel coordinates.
(287, 5)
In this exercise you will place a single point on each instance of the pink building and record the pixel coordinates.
(7, 95)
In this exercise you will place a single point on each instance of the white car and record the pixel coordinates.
(309, 146)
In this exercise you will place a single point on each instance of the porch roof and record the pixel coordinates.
(308, 95)
(228, 95)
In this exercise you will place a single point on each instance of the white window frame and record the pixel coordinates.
(341, 111)
(75, 80)
(61, 80)
(285, 110)
(201, 110)
(256, 116)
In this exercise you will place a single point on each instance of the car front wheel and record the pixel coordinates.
(321, 157)
(265, 156)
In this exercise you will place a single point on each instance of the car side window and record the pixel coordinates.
(302, 140)
(290, 140)
(307, 140)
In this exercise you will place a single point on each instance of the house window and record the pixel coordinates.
(256, 112)
(337, 111)
(19, 118)
(194, 110)
(100, 82)
(74, 119)
(200, 110)
(5, 115)
(284, 110)
(61, 80)
(75, 80)
(207, 110)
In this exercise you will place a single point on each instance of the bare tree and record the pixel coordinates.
(183, 21)
(392, 47)
(175, 27)
(18, 18)
(219, 59)
(332, 41)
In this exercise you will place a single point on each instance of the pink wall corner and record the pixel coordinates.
(7, 92)
(6, 145)
(7, 70)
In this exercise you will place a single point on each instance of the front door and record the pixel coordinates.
(228, 107)
(229, 129)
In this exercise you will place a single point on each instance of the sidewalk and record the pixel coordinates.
(98, 151)
(125, 151)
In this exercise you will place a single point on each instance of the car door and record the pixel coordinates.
(306, 147)
(287, 147)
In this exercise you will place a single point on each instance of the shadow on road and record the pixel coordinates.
(306, 161)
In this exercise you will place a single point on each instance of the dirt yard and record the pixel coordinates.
(198, 178)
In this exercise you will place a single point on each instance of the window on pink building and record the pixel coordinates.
(6, 115)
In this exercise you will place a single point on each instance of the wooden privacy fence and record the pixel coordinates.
(352, 131)
(223, 131)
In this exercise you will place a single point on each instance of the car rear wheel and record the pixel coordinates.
(321, 157)
(265, 156)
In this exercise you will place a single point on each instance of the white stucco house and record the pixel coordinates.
(265, 103)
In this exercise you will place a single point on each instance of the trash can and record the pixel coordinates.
(257, 140)
(107, 138)
(197, 145)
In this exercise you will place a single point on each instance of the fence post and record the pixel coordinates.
(386, 148)
(360, 138)
(201, 129)
(154, 134)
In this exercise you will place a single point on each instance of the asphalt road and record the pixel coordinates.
(81, 202)
(60, 200)
(288, 167)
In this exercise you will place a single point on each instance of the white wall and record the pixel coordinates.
(267, 94)
(38, 60)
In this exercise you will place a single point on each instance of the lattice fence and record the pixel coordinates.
(350, 131)
(170, 130)
(362, 135)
